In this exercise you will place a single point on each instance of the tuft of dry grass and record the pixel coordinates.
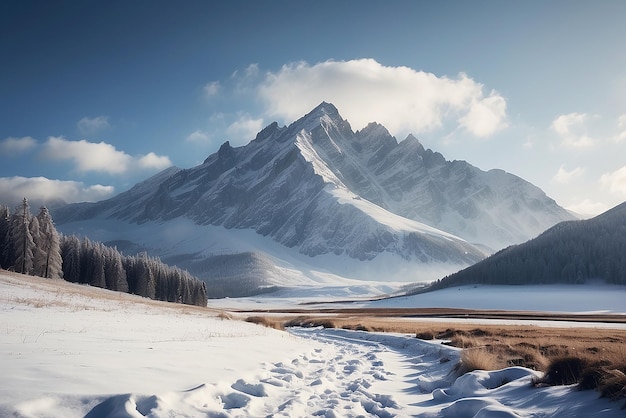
(266, 322)
(612, 384)
(311, 322)
(564, 370)
(607, 377)
(478, 358)
(223, 315)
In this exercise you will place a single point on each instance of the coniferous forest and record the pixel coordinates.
(32, 245)
(571, 252)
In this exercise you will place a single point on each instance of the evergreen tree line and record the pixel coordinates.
(31, 245)
(571, 252)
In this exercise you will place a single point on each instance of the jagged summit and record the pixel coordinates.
(324, 108)
(322, 189)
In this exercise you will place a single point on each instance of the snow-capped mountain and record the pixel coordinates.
(319, 188)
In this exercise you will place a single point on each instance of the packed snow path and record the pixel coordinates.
(350, 374)
(361, 374)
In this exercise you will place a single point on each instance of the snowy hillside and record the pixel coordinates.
(319, 188)
(570, 252)
(72, 351)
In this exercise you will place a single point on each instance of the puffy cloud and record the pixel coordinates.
(485, 116)
(99, 157)
(401, 98)
(12, 146)
(563, 176)
(198, 136)
(573, 130)
(211, 89)
(13, 189)
(615, 181)
(88, 156)
(153, 161)
(90, 126)
(245, 128)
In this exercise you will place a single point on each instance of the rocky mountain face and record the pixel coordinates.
(321, 188)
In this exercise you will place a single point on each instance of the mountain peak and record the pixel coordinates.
(327, 108)
(323, 109)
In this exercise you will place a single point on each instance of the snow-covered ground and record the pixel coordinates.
(71, 351)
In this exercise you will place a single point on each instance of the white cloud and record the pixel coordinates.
(153, 161)
(401, 98)
(244, 129)
(88, 156)
(211, 89)
(99, 157)
(573, 130)
(13, 189)
(615, 182)
(486, 116)
(198, 136)
(90, 126)
(11, 146)
(564, 177)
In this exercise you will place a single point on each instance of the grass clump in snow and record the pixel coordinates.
(225, 316)
(613, 384)
(608, 375)
(478, 358)
(564, 370)
(266, 322)
(311, 322)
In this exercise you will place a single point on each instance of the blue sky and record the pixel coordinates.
(98, 95)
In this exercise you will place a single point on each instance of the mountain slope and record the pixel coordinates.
(320, 188)
(570, 252)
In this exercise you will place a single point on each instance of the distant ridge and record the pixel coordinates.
(570, 252)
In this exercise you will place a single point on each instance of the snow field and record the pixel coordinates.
(79, 351)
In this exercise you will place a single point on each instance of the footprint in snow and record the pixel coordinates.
(251, 389)
(235, 400)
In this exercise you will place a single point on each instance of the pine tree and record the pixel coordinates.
(38, 254)
(5, 260)
(115, 275)
(97, 259)
(22, 239)
(71, 256)
(49, 261)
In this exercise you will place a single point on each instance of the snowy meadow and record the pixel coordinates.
(71, 350)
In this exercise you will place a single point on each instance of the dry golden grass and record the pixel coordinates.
(266, 322)
(477, 358)
(224, 316)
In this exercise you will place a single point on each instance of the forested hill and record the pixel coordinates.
(31, 245)
(569, 252)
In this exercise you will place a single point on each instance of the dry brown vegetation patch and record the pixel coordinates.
(266, 322)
